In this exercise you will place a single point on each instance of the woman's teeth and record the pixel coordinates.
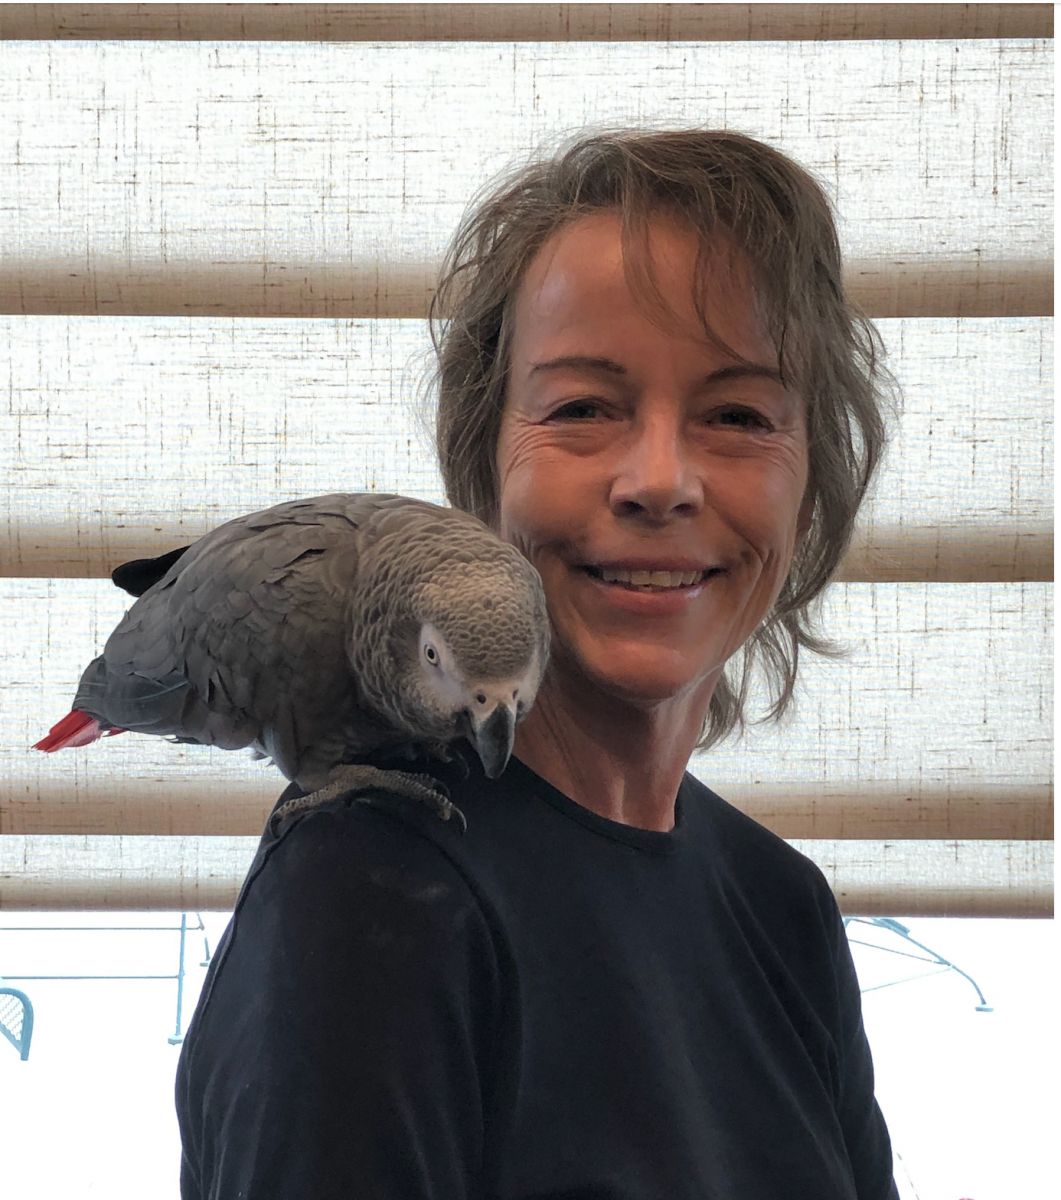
(650, 580)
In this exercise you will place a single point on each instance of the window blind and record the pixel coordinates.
(219, 225)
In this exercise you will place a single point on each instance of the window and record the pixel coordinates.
(969, 1106)
(219, 225)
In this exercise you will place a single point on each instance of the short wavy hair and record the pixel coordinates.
(778, 216)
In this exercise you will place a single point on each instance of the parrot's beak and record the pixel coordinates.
(492, 739)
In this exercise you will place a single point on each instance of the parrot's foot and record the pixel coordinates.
(359, 777)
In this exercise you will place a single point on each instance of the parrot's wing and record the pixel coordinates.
(242, 641)
(130, 699)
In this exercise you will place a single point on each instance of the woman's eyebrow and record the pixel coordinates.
(609, 366)
(582, 361)
(745, 371)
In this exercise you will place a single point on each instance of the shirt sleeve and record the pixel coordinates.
(865, 1132)
(343, 1044)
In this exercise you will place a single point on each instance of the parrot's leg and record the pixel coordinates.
(360, 777)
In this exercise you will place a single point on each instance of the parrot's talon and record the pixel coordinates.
(353, 779)
(455, 811)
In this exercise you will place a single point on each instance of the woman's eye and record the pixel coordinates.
(578, 410)
(741, 418)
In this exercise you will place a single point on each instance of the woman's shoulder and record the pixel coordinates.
(383, 849)
(350, 891)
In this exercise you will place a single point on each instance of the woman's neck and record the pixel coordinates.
(619, 760)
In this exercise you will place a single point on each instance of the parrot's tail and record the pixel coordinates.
(75, 729)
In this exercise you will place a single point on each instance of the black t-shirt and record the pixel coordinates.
(549, 1005)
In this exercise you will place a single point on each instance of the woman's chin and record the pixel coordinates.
(649, 679)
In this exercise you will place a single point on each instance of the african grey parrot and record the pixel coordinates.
(322, 631)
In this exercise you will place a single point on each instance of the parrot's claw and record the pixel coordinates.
(446, 810)
(355, 778)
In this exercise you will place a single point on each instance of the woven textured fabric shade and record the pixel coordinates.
(219, 227)
(297, 179)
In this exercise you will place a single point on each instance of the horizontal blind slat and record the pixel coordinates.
(275, 181)
(923, 287)
(957, 878)
(524, 22)
(177, 795)
(938, 879)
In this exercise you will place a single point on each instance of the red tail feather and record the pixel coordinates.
(75, 729)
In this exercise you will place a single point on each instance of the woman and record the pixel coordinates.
(614, 984)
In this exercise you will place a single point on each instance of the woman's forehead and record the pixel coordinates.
(589, 273)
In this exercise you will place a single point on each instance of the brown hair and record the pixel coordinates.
(780, 219)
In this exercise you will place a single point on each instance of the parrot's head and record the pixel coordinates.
(474, 700)
(481, 642)
(449, 630)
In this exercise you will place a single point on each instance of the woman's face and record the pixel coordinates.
(654, 481)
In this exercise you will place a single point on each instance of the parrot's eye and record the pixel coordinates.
(431, 654)
(480, 697)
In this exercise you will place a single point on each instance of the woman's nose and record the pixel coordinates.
(656, 475)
